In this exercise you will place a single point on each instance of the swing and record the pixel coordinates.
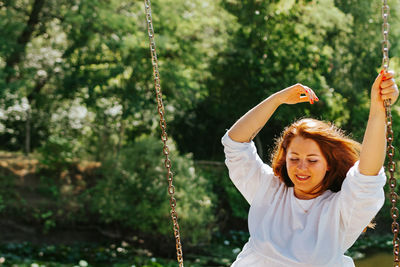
(164, 136)
(394, 212)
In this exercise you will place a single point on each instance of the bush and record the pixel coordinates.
(1, 203)
(231, 205)
(57, 153)
(133, 192)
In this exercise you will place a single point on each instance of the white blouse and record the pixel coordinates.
(282, 233)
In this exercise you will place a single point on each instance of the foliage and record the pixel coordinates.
(231, 207)
(8, 195)
(1, 203)
(77, 255)
(274, 45)
(94, 52)
(133, 192)
(327, 45)
(222, 253)
(57, 153)
(129, 191)
(76, 86)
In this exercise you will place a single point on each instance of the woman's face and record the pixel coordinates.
(306, 166)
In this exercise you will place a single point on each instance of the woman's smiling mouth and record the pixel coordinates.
(302, 177)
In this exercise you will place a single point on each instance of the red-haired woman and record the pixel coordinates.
(323, 188)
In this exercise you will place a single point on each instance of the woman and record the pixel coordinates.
(320, 193)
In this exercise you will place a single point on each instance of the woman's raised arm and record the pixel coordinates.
(248, 126)
(373, 147)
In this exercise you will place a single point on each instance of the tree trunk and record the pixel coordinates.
(28, 132)
(120, 137)
(23, 39)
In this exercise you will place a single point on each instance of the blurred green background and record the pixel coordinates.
(81, 167)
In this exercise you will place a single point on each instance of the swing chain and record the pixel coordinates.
(385, 33)
(164, 136)
(394, 212)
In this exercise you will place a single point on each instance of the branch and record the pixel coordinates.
(38, 87)
(23, 39)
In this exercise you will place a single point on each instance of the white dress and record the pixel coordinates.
(281, 232)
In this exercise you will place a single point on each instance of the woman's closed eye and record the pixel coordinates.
(309, 160)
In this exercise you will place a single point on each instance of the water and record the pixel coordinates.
(378, 259)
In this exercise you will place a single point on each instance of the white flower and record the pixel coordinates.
(235, 250)
(2, 114)
(114, 110)
(83, 263)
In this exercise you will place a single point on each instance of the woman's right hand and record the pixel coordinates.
(251, 123)
(297, 93)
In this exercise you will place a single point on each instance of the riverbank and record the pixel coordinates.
(368, 251)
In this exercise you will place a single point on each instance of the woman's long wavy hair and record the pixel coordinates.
(340, 151)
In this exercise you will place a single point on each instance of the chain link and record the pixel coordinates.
(394, 212)
(385, 33)
(164, 136)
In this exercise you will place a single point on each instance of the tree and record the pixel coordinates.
(93, 52)
(276, 44)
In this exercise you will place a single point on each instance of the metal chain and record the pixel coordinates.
(394, 212)
(164, 136)
(385, 33)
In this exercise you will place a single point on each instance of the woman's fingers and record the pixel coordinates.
(387, 83)
(390, 93)
(388, 90)
(312, 97)
(301, 93)
(387, 75)
(315, 98)
(308, 94)
(388, 87)
(392, 97)
(304, 98)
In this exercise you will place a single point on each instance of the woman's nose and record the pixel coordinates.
(302, 165)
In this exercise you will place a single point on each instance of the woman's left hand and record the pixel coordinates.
(372, 155)
(384, 88)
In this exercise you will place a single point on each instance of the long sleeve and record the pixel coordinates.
(246, 169)
(360, 200)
